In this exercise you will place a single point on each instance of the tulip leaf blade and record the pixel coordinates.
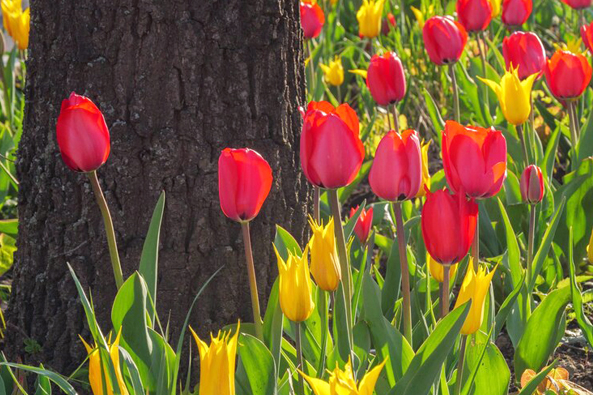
(54, 377)
(258, 364)
(492, 373)
(286, 243)
(273, 324)
(576, 297)
(585, 144)
(349, 227)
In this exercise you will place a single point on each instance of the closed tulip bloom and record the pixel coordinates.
(295, 286)
(82, 134)
(516, 12)
(437, 270)
(475, 287)
(532, 185)
(331, 149)
(369, 18)
(474, 159)
(567, 74)
(474, 15)
(312, 18)
(425, 171)
(325, 264)
(514, 95)
(343, 382)
(244, 182)
(587, 36)
(96, 376)
(217, 363)
(396, 173)
(16, 22)
(334, 72)
(363, 226)
(386, 79)
(444, 40)
(388, 24)
(448, 226)
(524, 50)
(578, 4)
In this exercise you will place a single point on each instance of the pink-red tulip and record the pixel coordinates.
(474, 15)
(567, 74)
(516, 12)
(312, 19)
(448, 225)
(532, 184)
(388, 24)
(444, 39)
(578, 4)
(82, 134)
(587, 36)
(474, 159)
(331, 150)
(244, 182)
(396, 173)
(386, 79)
(525, 51)
(363, 226)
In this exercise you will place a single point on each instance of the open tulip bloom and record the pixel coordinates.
(369, 18)
(343, 382)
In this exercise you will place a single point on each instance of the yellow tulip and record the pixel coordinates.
(425, 173)
(333, 2)
(295, 286)
(437, 271)
(342, 382)
(16, 21)
(217, 363)
(96, 372)
(590, 248)
(334, 72)
(495, 7)
(475, 287)
(419, 16)
(325, 265)
(513, 95)
(362, 73)
(369, 18)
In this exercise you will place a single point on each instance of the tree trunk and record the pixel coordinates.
(177, 81)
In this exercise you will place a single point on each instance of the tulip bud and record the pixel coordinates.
(217, 363)
(312, 18)
(587, 36)
(567, 74)
(388, 24)
(474, 15)
(363, 226)
(82, 134)
(16, 22)
(295, 286)
(516, 12)
(96, 372)
(475, 287)
(448, 226)
(526, 52)
(437, 270)
(386, 79)
(474, 159)
(578, 4)
(396, 173)
(334, 72)
(331, 149)
(244, 182)
(369, 18)
(325, 264)
(444, 39)
(532, 185)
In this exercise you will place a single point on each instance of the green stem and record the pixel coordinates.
(252, 281)
(460, 365)
(324, 326)
(445, 291)
(109, 230)
(573, 133)
(403, 261)
(522, 138)
(455, 93)
(476, 244)
(483, 59)
(311, 68)
(395, 118)
(300, 360)
(316, 198)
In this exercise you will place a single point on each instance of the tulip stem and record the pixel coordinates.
(531, 240)
(395, 118)
(573, 133)
(445, 291)
(403, 261)
(324, 327)
(311, 68)
(300, 361)
(252, 281)
(460, 365)
(455, 92)
(482, 52)
(109, 230)
(316, 198)
(522, 138)
(476, 244)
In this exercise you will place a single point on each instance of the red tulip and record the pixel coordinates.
(474, 15)
(567, 74)
(516, 12)
(331, 150)
(396, 173)
(532, 184)
(525, 51)
(388, 24)
(578, 4)
(386, 79)
(82, 134)
(448, 225)
(587, 36)
(312, 19)
(474, 159)
(444, 39)
(364, 224)
(244, 182)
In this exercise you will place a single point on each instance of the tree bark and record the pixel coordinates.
(177, 81)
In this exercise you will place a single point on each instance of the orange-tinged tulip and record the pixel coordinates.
(363, 226)
(325, 264)
(568, 74)
(587, 36)
(343, 382)
(475, 287)
(295, 286)
(437, 270)
(312, 18)
(96, 375)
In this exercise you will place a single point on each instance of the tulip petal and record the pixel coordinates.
(367, 384)
(319, 387)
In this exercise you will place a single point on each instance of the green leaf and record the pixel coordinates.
(507, 305)
(7, 250)
(577, 299)
(259, 365)
(273, 324)
(349, 227)
(43, 385)
(9, 226)
(149, 261)
(493, 375)
(550, 155)
(54, 377)
(585, 144)
(285, 243)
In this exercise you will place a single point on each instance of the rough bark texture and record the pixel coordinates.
(177, 81)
